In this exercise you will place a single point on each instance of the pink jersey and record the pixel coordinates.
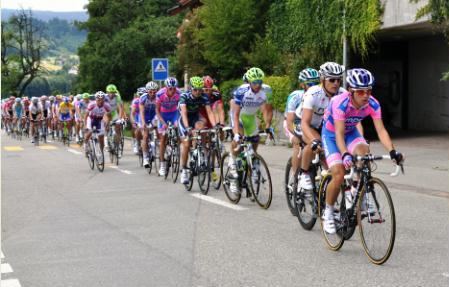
(168, 104)
(96, 112)
(135, 104)
(341, 109)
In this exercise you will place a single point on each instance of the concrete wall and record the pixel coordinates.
(401, 12)
(428, 97)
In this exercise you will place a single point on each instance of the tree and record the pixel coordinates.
(122, 38)
(22, 46)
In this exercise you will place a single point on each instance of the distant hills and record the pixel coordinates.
(48, 15)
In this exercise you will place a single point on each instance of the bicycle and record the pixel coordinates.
(35, 131)
(217, 149)
(44, 130)
(95, 155)
(376, 211)
(114, 148)
(152, 143)
(199, 162)
(65, 134)
(252, 173)
(172, 154)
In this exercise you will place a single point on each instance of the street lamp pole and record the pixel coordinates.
(345, 45)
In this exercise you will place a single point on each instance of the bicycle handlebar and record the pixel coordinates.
(398, 167)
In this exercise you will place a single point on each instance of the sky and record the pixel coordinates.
(46, 5)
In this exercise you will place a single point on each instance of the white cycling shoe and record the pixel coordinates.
(163, 168)
(329, 222)
(305, 182)
(185, 176)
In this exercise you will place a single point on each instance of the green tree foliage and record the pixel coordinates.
(122, 38)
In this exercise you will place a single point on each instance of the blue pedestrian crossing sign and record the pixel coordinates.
(159, 69)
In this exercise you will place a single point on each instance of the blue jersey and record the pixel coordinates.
(149, 106)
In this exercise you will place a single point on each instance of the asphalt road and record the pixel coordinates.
(65, 225)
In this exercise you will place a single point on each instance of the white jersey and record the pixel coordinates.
(249, 101)
(316, 99)
(35, 108)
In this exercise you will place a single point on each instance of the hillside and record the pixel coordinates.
(48, 15)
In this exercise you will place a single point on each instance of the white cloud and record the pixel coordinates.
(46, 5)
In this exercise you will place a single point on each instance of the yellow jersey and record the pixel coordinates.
(65, 108)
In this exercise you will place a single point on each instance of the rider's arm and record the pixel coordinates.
(291, 122)
(210, 115)
(142, 114)
(340, 136)
(221, 112)
(306, 119)
(267, 111)
(158, 113)
(236, 113)
(133, 113)
(384, 137)
(185, 119)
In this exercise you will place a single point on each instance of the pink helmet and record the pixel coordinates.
(208, 82)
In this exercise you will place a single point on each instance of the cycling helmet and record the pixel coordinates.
(12, 98)
(151, 86)
(59, 97)
(308, 74)
(171, 82)
(141, 91)
(52, 98)
(78, 97)
(100, 95)
(44, 98)
(208, 82)
(331, 70)
(86, 96)
(34, 100)
(111, 88)
(196, 82)
(254, 74)
(360, 79)
(17, 100)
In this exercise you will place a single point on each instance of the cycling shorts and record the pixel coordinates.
(168, 117)
(153, 122)
(333, 156)
(98, 123)
(193, 118)
(64, 117)
(249, 125)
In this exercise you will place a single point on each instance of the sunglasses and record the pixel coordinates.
(207, 90)
(197, 89)
(256, 82)
(362, 92)
(333, 80)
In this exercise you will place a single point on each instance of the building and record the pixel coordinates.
(408, 60)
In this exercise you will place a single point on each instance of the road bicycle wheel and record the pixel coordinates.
(167, 157)
(333, 241)
(260, 182)
(216, 168)
(175, 157)
(289, 183)
(122, 143)
(156, 161)
(234, 197)
(204, 171)
(377, 224)
(90, 157)
(117, 154)
(99, 156)
(305, 207)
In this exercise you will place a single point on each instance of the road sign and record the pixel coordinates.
(159, 68)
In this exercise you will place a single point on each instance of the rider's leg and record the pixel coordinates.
(296, 156)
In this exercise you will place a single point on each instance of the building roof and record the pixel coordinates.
(182, 5)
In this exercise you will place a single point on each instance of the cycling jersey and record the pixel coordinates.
(45, 108)
(193, 105)
(149, 107)
(18, 110)
(315, 99)
(293, 102)
(65, 108)
(7, 107)
(114, 103)
(164, 91)
(135, 105)
(168, 109)
(96, 112)
(341, 109)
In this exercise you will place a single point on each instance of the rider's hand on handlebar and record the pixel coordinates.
(237, 137)
(316, 145)
(396, 156)
(347, 160)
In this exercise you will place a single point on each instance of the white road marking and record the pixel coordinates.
(2, 255)
(74, 151)
(121, 170)
(218, 202)
(10, 283)
(446, 275)
(5, 268)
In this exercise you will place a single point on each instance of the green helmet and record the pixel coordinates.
(111, 88)
(86, 96)
(308, 74)
(196, 82)
(254, 74)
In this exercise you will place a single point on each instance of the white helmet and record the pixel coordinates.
(331, 70)
(360, 79)
(100, 95)
(34, 100)
(151, 86)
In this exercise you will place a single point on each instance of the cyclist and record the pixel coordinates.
(216, 102)
(95, 117)
(307, 78)
(8, 112)
(117, 112)
(35, 115)
(134, 119)
(190, 103)
(58, 100)
(51, 126)
(248, 99)
(18, 113)
(147, 110)
(342, 139)
(80, 111)
(65, 114)
(311, 111)
(166, 111)
(169, 82)
(46, 107)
